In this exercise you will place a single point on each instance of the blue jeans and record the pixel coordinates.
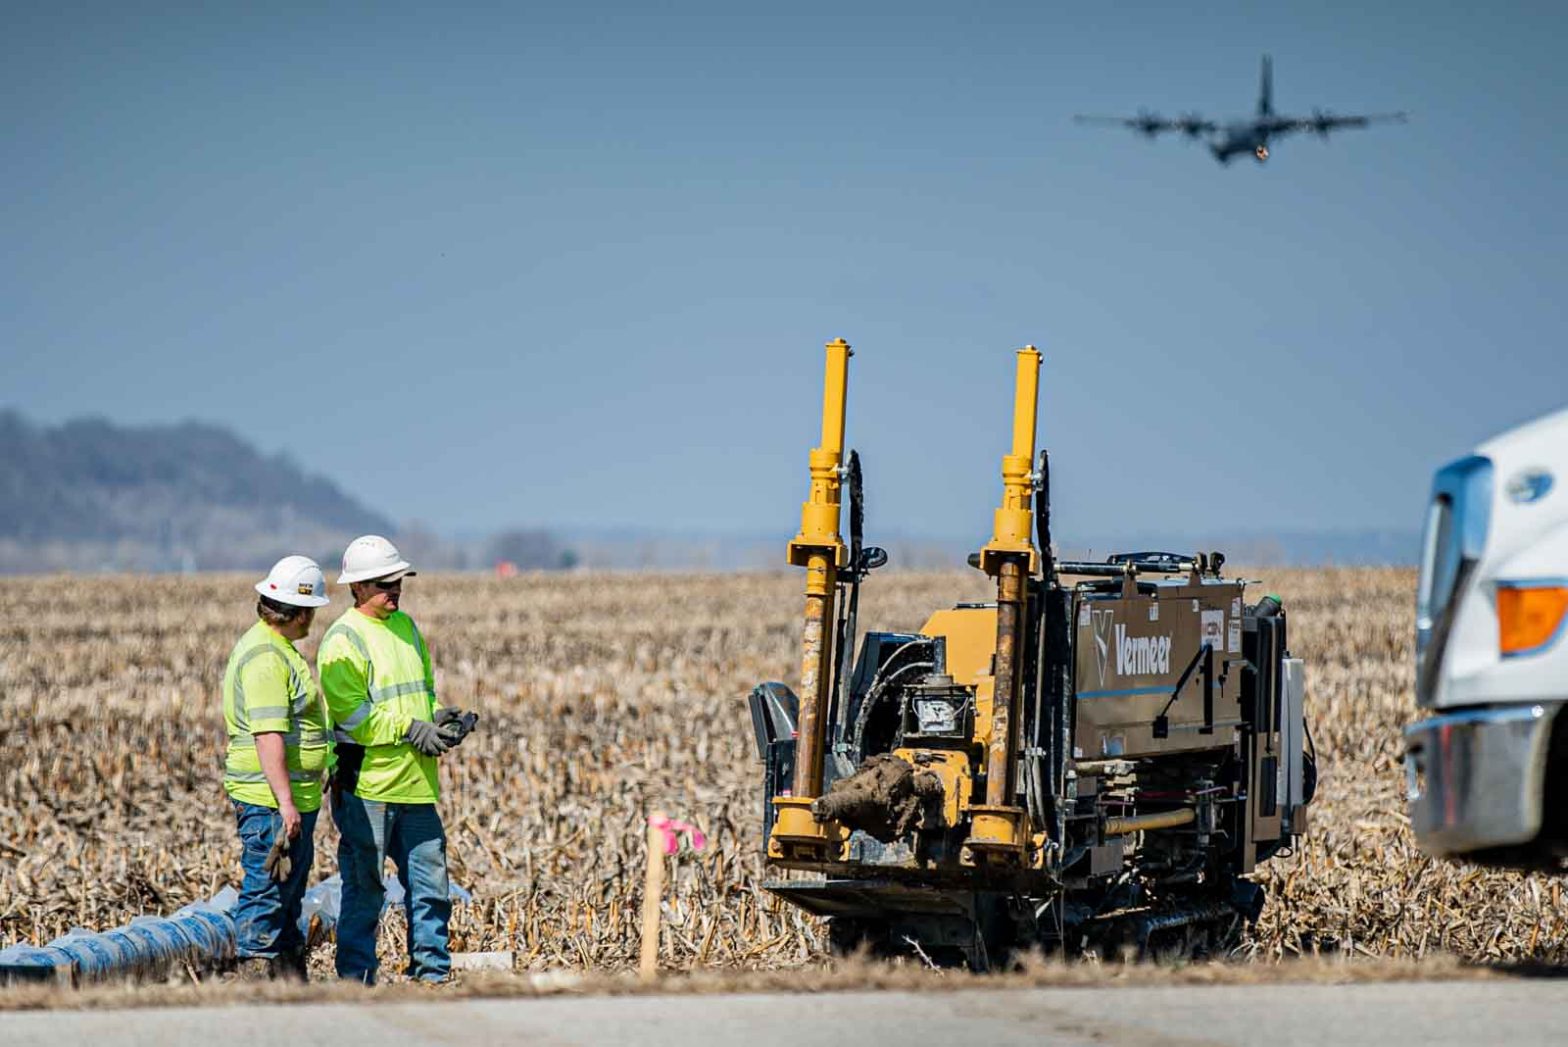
(411, 835)
(266, 917)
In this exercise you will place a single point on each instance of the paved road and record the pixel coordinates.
(1431, 1014)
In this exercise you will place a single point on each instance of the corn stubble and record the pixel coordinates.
(601, 698)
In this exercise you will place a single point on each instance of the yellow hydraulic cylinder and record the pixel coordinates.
(821, 551)
(1012, 531)
(999, 829)
(1145, 822)
(819, 515)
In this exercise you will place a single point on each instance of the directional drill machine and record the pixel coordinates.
(1094, 760)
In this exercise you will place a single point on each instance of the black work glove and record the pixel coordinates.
(426, 738)
(350, 758)
(278, 864)
(455, 725)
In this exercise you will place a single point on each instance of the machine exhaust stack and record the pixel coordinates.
(821, 551)
(1000, 830)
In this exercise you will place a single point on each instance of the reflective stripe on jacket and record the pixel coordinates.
(377, 678)
(267, 687)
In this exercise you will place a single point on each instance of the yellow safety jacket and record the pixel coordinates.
(267, 686)
(377, 677)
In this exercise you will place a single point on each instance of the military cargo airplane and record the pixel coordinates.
(1252, 135)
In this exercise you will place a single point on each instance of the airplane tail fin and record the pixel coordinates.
(1266, 88)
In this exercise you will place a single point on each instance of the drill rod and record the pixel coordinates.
(816, 656)
(1009, 627)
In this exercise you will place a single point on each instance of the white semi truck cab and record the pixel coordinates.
(1487, 770)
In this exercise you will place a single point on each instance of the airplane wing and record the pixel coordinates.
(1149, 124)
(1192, 125)
(1322, 122)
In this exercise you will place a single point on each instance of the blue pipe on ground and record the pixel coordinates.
(148, 947)
(201, 934)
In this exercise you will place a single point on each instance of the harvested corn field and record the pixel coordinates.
(604, 697)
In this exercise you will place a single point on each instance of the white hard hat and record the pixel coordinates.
(295, 580)
(372, 556)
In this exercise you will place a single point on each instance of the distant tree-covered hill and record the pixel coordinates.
(92, 495)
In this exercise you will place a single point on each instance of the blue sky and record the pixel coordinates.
(574, 264)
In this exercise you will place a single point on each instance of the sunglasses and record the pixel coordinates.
(388, 587)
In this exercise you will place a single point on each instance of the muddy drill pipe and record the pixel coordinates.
(819, 549)
(999, 828)
(1004, 734)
